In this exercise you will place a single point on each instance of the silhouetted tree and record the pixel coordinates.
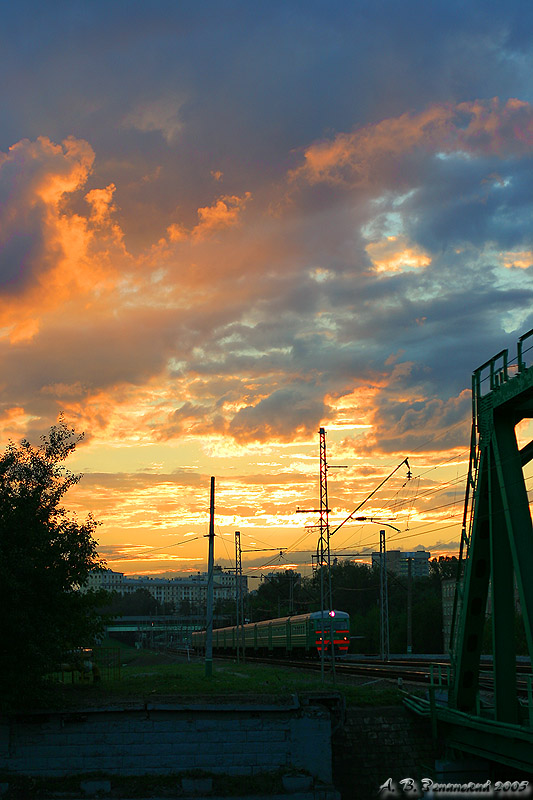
(140, 602)
(444, 567)
(45, 555)
(273, 596)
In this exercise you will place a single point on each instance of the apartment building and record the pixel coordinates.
(398, 562)
(170, 590)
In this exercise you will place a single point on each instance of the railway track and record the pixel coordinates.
(389, 672)
(410, 671)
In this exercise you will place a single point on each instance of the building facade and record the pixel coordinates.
(448, 596)
(170, 590)
(398, 562)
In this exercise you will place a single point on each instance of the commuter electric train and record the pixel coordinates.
(304, 634)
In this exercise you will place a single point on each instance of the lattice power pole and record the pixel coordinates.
(323, 557)
(239, 599)
(323, 551)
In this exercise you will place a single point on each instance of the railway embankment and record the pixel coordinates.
(354, 749)
(247, 722)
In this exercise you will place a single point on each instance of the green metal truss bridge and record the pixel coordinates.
(496, 555)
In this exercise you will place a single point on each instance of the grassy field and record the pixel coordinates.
(151, 677)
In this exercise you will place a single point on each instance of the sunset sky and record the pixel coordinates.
(226, 224)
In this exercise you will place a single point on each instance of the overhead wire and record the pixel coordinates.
(396, 502)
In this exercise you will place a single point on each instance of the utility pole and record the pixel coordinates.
(409, 604)
(322, 550)
(323, 558)
(239, 595)
(324, 539)
(210, 588)
(384, 597)
(291, 594)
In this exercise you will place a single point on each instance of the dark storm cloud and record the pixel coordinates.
(297, 409)
(328, 131)
(252, 83)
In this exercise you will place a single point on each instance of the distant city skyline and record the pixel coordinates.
(226, 225)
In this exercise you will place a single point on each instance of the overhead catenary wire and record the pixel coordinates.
(422, 491)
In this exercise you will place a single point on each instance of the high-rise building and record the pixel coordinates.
(398, 562)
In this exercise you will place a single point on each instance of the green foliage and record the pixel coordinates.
(356, 589)
(273, 597)
(45, 555)
(140, 602)
(444, 567)
(155, 677)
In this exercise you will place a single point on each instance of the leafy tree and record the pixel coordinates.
(45, 555)
(140, 602)
(444, 567)
(273, 596)
(185, 608)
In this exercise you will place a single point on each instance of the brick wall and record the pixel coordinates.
(379, 743)
(170, 739)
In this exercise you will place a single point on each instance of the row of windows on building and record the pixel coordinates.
(397, 562)
(169, 590)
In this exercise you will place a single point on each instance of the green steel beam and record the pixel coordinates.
(475, 591)
(500, 544)
(516, 513)
(502, 588)
(526, 453)
(494, 741)
(499, 548)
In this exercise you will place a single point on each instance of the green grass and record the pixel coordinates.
(146, 678)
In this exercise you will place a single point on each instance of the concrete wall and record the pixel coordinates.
(379, 743)
(163, 739)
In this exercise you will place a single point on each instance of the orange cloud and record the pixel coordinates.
(101, 202)
(521, 259)
(396, 254)
(364, 157)
(50, 252)
(225, 213)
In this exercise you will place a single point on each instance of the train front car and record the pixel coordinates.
(334, 625)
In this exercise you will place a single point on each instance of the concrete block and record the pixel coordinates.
(296, 783)
(92, 788)
(236, 770)
(274, 735)
(207, 725)
(311, 747)
(464, 770)
(251, 724)
(197, 785)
